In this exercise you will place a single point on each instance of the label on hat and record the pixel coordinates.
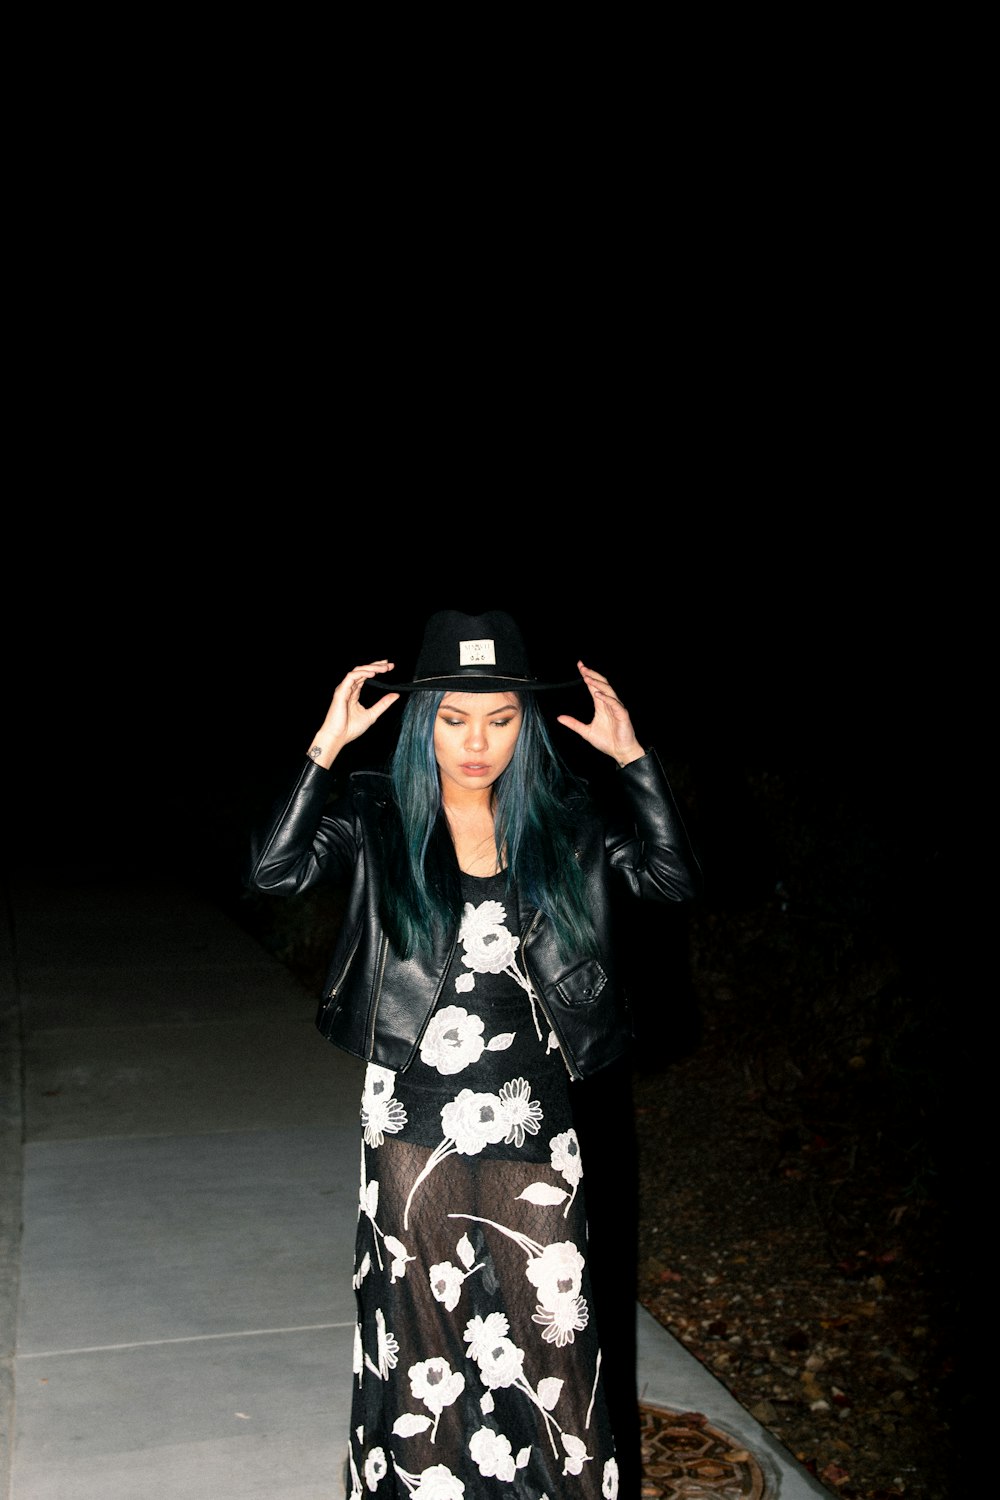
(476, 653)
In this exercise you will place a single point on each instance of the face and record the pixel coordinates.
(474, 738)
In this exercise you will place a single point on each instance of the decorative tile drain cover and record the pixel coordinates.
(685, 1458)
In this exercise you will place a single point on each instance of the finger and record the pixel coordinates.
(370, 669)
(599, 685)
(360, 675)
(379, 708)
(574, 724)
(589, 673)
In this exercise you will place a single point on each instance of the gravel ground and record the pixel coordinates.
(794, 1235)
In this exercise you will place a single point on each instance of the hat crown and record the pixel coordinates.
(473, 654)
(480, 647)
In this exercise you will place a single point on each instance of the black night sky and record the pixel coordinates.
(155, 700)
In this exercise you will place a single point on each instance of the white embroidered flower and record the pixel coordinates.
(453, 1040)
(557, 1272)
(489, 947)
(609, 1483)
(382, 1120)
(500, 1363)
(473, 1121)
(355, 1478)
(565, 1151)
(368, 1194)
(562, 1319)
(493, 954)
(438, 1483)
(401, 1257)
(381, 1114)
(362, 1270)
(548, 1392)
(521, 1112)
(492, 1452)
(388, 1348)
(476, 920)
(376, 1468)
(481, 1332)
(435, 1383)
(358, 1351)
(576, 1454)
(446, 1284)
(380, 1083)
(464, 983)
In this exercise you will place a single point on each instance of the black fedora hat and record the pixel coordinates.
(474, 653)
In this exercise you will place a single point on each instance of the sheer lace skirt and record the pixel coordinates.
(477, 1363)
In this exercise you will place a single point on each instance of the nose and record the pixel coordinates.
(475, 736)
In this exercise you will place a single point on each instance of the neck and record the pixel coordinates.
(470, 823)
(467, 804)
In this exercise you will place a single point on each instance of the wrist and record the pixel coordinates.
(324, 750)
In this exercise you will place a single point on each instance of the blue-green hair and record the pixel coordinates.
(532, 824)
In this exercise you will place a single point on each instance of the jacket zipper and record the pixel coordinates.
(331, 993)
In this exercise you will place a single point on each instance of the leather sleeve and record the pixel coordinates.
(654, 855)
(307, 842)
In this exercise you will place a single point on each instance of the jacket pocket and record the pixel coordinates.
(332, 999)
(583, 985)
(327, 1012)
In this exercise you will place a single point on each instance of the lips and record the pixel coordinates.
(474, 768)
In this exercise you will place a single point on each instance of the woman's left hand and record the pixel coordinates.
(610, 730)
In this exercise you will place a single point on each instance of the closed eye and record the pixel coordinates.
(494, 723)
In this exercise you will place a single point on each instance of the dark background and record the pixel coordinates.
(802, 682)
(160, 694)
(803, 695)
(723, 462)
(800, 694)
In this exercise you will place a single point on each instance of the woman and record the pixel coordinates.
(474, 973)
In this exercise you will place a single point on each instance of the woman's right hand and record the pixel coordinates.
(347, 718)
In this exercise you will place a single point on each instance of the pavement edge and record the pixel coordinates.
(11, 1182)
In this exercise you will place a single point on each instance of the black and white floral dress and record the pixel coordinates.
(477, 1364)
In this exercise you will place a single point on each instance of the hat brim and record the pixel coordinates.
(473, 683)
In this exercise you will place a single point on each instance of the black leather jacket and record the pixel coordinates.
(376, 1004)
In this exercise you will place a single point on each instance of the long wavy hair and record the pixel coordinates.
(532, 827)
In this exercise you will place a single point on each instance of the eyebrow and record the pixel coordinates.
(504, 708)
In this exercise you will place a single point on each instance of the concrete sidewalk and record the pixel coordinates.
(179, 1173)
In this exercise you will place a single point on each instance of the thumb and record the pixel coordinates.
(571, 723)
